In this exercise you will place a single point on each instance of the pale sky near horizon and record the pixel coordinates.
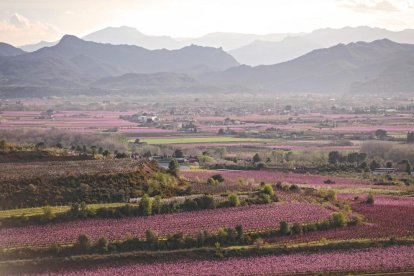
(30, 21)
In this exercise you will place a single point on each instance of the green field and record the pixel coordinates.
(55, 210)
(195, 140)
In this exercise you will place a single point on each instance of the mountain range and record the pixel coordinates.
(75, 62)
(7, 50)
(381, 66)
(249, 49)
(74, 66)
(131, 36)
(261, 52)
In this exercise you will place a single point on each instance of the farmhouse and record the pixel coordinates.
(384, 170)
(147, 119)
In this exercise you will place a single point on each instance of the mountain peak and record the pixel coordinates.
(126, 29)
(69, 39)
(384, 41)
(9, 50)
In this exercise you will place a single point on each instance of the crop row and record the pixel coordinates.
(397, 258)
(65, 168)
(380, 199)
(251, 217)
(383, 219)
(235, 176)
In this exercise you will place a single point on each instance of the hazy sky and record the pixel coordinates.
(28, 21)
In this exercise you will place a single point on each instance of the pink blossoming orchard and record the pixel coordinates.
(121, 160)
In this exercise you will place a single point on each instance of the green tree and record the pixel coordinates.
(410, 137)
(157, 205)
(268, 189)
(83, 243)
(221, 151)
(106, 153)
(206, 202)
(102, 245)
(151, 238)
(145, 205)
(240, 231)
(330, 195)
(374, 165)
(265, 198)
(211, 181)
(380, 134)
(40, 146)
(74, 210)
(256, 158)
(48, 213)
(334, 157)
(408, 168)
(3, 145)
(284, 228)
(297, 229)
(222, 235)
(83, 209)
(339, 219)
(218, 177)
(370, 199)
(93, 150)
(173, 167)
(364, 166)
(178, 153)
(234, 200)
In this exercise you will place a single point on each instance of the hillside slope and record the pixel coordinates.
(379, 66)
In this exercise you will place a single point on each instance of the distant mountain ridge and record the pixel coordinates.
(379, 66)
(74, 62)
(229, 41)
(74, 66)
(7, 50)
(267, 52)
(249, 49)
(125, 35)
(37, 46)
(131, 36)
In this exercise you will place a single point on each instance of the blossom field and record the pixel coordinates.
(368, 260)
(251, 217)
(389, 216)
(63, 168)
(381, 200)
(232, 177)
(314, 116)
(78, 121)
(97, 121)
(266, 145)
(69, 168)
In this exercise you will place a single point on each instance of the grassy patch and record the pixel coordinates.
(376, 191)
(55, 209)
